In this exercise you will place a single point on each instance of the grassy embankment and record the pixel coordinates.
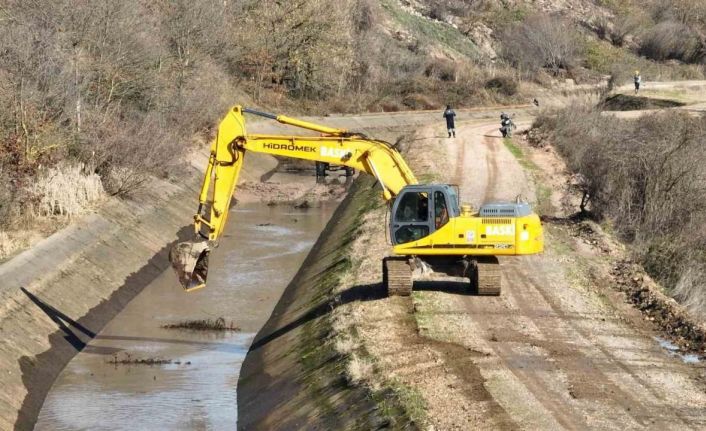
(298, 372)
(543, 191)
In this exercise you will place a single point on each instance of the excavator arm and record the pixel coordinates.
(227, 154)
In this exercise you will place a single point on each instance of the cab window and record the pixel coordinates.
(414, 207)
(441, 210)
(410, 233)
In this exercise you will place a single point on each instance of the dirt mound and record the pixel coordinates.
(624, 102)
(664, 311)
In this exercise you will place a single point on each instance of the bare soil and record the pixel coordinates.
(626, 102)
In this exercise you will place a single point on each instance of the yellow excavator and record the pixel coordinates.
(429, 229)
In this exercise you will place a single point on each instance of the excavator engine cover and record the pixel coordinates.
(190, 261)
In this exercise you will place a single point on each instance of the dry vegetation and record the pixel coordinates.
(663, 39)
(542, 42)
(117, 91)
(219, 324)
(96, 97)
(646, 178)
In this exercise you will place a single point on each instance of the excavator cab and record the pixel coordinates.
(420, 210)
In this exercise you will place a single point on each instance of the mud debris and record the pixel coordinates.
(588, 234)
(685, 331)
(218, 324)
(626, 102)
(129, 360)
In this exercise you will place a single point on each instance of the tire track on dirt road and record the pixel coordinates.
(594, 371)
(578, 364)
(484, 169)
(492, 163)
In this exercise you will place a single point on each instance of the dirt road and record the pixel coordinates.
(580, 362)
(559, 349)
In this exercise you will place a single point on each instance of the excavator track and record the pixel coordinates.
(487, 279)
(397, 276)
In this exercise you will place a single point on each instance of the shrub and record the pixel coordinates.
(542, 41)
(602, 27)
(359, 370)
(386, 106)
(418, 101)
(364, 15)
(672, 40)
(647, 176)
(66, 190)
(690, 289)
(504, 85)
(624, 26)
(127, 151)
(443, 70)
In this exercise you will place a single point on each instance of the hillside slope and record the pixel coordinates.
(108, 94)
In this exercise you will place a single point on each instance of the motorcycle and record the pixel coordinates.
(506, 125)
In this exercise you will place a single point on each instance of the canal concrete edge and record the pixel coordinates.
(59, 294)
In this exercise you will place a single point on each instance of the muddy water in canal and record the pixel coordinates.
(196, 386)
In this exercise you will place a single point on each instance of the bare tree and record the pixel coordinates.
(542, 41)
(672, 40)
(304, 46)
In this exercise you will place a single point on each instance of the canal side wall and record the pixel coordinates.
(59, 294)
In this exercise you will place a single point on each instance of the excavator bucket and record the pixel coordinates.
(190, 261)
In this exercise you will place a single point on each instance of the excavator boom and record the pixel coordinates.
(227, 153)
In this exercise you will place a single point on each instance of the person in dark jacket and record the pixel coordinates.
(449, 114)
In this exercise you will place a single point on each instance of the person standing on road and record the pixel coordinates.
(638, 79)
(449, 114)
